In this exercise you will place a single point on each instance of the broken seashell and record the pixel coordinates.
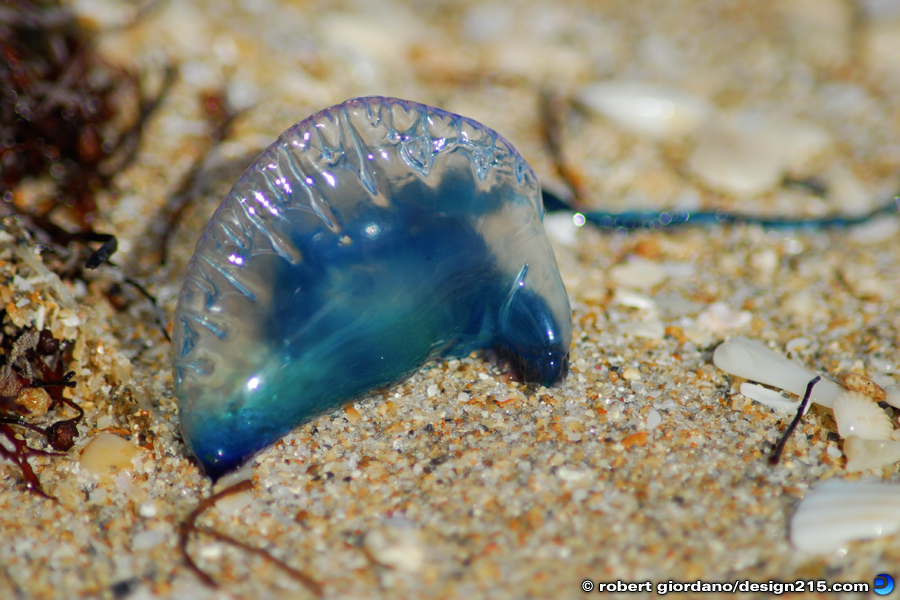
(870, 454)
(747, 154)
(107, 454)
(771, 398)
(719, 318)
(856, 414)
(638, 274)
(754, 361)
(396, 544)
(858, 383)
(838, 512)
(892, 395)
(35, 400)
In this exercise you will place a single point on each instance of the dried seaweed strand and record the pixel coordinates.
(552, 112)
(190, 525)
(19, 455)
(776, 455)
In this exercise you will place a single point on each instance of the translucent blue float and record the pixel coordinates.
(369, 239)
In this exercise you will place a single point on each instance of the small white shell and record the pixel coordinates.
(870, 454)
(856, 414)
(107, 454)
(838, 512)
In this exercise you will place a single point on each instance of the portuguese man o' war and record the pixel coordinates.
(369, 239)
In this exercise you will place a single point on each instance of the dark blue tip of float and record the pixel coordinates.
(554, 368)
(547, 370)
(222, 444)
(532, 337)
(218, 461)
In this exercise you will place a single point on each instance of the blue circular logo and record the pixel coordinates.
(884, 584)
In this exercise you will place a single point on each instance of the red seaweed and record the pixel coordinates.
(34, 360)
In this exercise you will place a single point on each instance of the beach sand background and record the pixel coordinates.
(646, 464)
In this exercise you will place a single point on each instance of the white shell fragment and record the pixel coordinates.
(749, 153)
(234, 478)
(858, 415)
(646, 109)
(742, 166)
(838, 512)
(771, 398)
(234, 503)
(876, 231)
(847, 193)
(638, 274)
(863, 455)
(892, 395)
(653, 329)
(754, 361)
(107, 454)
(719, 318)
(396, 544)
(632, 299)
